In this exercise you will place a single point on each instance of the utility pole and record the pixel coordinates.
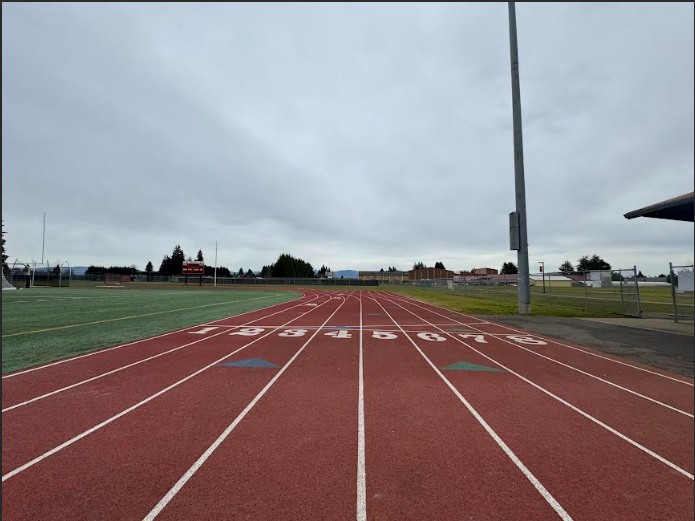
(520, 183)
(43, 242)
(215, 278)
(543, 272)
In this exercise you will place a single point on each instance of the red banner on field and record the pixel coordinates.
(193, 268)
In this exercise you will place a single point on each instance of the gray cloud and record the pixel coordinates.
(354, 135)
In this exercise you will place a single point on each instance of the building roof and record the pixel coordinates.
(680, 208)
(556, 278)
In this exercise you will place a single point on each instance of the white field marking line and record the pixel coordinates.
(45, 298)
(556, 342)
(130, 317)
(361, 440)
(585, 373)
(18, 373)
(212, 448)
(574, 408)
(141, 403)
(128, 366)
(510, 454)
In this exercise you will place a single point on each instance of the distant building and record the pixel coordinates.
(556, 281)
(430, 274)
(485, 271)
(384, 276)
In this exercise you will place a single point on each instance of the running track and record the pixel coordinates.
(356, 405)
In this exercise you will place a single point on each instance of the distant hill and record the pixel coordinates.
(346, 274)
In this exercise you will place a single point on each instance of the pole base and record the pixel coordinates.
(524, 309)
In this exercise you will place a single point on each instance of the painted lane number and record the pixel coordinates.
(203, 331)
(527, 340)
(293, 333)
(339, 334)
(383, 335)
(248, 331)
(431, 337)
(478, 338)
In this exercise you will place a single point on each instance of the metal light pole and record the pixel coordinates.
(215, 277)
(520, 184)
(543, 272)
(43, 241)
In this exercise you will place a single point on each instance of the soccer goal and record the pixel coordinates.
(6, 286)
(114, 280)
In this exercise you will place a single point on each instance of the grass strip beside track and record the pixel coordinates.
(87, 322)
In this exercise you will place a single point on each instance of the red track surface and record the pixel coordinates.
(569, 433)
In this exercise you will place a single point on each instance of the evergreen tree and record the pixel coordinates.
(166, 267)
(199, 257)
(250, 274)
(240, 273)
(593, 263)
(439, 265)
(419, 265)
(566, 267)
(177, 258)
(509, 268)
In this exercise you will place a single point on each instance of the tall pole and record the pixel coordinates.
(543, 263)
(520, 184)
(215, 278)
(43, 241)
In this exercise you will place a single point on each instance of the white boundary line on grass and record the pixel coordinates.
(212, 448)
(133, 364)
(566, 403)
(104, 423)
(550, 340)
(100, 351)
(499, 441)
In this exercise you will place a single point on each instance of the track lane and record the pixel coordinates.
(662, 430)
(591, 472)
(130, 464)
(427, 456)
(297, 450)
(68, 415)
(25, 385)
(647, 372)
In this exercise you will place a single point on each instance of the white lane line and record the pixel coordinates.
(100, 351)
(128, 366)
(576, 369)
(500, 442)
(361, 441)
(574, 408)
(212, 448)
(556, 342)
(86, 433)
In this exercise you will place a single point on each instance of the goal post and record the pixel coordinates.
(6, 286)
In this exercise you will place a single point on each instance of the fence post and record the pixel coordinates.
(639, 301)
(673, 292)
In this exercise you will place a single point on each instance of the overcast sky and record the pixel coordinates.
(357, 136)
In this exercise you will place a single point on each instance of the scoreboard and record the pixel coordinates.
(193, 268)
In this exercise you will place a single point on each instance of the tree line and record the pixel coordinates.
(584, 263)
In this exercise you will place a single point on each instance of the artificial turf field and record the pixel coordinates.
(363, 405)
(45, 324)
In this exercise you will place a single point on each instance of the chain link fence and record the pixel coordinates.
(682, 292)
(616, 292)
